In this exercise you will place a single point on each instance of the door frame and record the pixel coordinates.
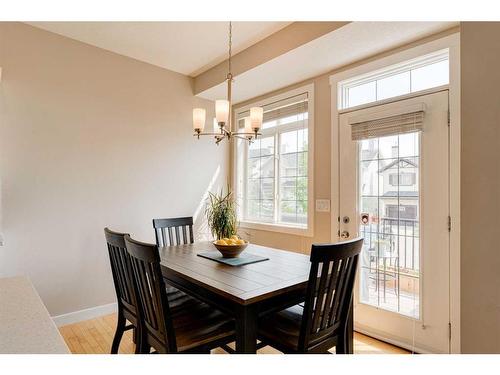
(452, 42)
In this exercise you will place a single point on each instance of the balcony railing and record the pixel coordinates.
(383, 237)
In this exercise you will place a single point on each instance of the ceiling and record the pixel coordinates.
(346, 45)
(189, 48)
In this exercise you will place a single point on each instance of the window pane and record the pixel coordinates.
(267, 166)
(392, 86)
(253, 209)
(253, 168)
(267, 188)
(267, 209)
(253, 187)
(369, 149)
(430, 76)
(288, 189)
(302, 140)
(302, 164)
(302, 212)
(288, 142)
(369, 178)
(267, 146)
(409, 144)
(362, 94)
(288, 165)
(388, 147)
(254, 149)
(302, 188)
(288, 212)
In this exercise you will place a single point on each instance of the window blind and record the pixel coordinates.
(283, 108)
(392, 125)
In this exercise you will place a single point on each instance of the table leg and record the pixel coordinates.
(246, 330)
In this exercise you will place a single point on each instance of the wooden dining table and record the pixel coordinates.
(243, 292)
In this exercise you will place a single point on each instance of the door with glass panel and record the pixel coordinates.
(394, 192)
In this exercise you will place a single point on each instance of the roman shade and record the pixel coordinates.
(392, 124)
(291, 106)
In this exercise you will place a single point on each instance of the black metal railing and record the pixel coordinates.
(396, 239)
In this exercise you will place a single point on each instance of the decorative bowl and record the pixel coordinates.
(231, 251)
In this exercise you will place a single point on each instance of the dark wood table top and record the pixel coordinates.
(283, 272)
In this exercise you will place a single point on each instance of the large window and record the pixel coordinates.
(411, 76)
(273, 176)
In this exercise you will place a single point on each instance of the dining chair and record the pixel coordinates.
(193, 327)
(321, 323)
(121, 270)
(164, 234)
(165, 229)
(126, 295)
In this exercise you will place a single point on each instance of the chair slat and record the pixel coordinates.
(329, 295)
(177, 236)
(320, 297)
(340, 283)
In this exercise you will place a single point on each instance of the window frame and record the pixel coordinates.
(241, 191)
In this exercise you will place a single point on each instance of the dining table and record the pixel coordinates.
(243, 292)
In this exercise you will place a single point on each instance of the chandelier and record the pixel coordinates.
(223, 117)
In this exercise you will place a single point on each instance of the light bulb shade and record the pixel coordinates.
(256, 115)
(222, 110)
(248, 125)
(216, 126)
(199, 119)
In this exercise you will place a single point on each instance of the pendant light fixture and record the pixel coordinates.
(223, 128)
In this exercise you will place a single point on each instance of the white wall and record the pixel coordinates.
(90, 139)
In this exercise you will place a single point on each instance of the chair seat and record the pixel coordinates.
(197, 324)
(282, 328)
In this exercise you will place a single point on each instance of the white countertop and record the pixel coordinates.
(25, 324)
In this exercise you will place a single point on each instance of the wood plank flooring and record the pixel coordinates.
(96, 335)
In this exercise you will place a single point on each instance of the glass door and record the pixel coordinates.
(394, 193)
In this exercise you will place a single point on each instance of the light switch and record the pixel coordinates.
(323, 205)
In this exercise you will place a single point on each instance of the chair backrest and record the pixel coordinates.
(329, 291)
(165, 229)
(152, 295)
(121, 269)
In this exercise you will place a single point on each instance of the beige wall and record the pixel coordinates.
(90, 139)
(322, 154)
(480, 187)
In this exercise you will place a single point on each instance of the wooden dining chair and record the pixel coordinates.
(121, 270)
(193, 327)
(321, 323)
(168, 231)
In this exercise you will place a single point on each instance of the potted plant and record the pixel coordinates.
(221, 216)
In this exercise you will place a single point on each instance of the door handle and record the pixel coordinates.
(344, 234)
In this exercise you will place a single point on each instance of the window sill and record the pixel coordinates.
(280, 228)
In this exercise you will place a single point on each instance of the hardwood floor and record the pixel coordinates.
(95, 337)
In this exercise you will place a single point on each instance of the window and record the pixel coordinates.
(405, 179)
(411, 76)
(273, 184)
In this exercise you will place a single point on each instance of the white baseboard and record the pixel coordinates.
(86, 314)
